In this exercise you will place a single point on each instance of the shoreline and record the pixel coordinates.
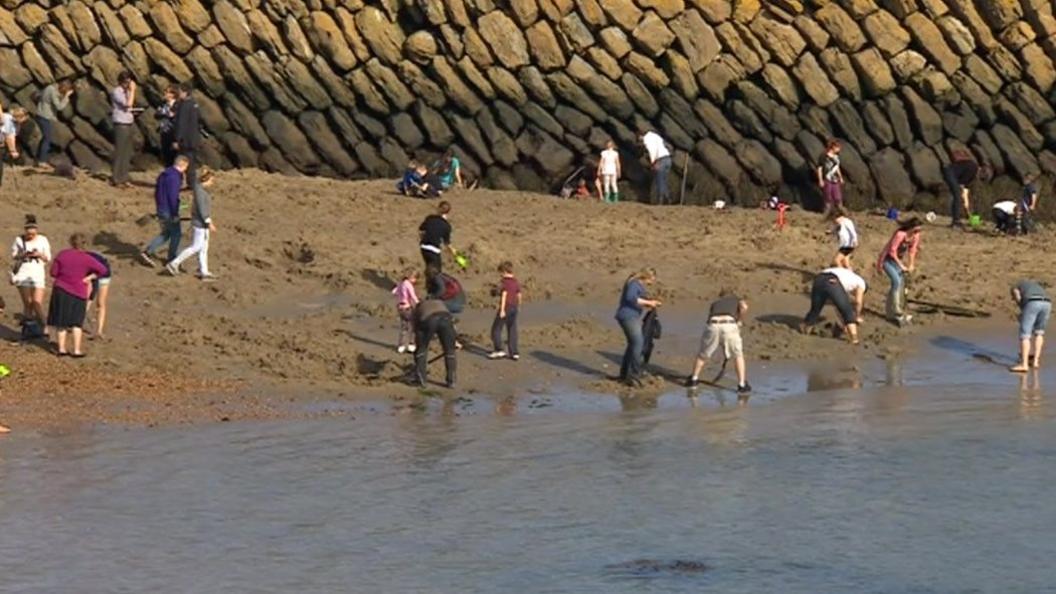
(302, 309)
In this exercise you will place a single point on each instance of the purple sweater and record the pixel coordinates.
(167, 193)
(69, 269)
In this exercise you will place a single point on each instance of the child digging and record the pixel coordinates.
(509, 294)
(406, 301)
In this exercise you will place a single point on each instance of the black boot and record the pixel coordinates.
(451, 363)
(420, 368)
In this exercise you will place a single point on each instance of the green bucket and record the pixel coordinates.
(975, 220)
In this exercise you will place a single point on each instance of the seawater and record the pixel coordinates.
(893, 486)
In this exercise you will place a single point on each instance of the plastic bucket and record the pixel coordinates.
(892, 213)
(975, 220)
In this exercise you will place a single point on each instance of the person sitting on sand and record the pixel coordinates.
(31, 254)
(723, 330)
(202, 225)
(73, 270)
(432, 318)
(509, 295)
(846, 291)
(633, 302)
(582, 191)
(1035, 307)
(167, 201)
(448, 171)
(100, 294)
(406, 301)
(893, 261)
(434, 234)
(416, 183)
(847, 235)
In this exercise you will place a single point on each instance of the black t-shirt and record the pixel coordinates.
(964, 171)
(436, 231)
(726, 306)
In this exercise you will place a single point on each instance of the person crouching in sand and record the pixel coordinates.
(406, 301)
(633, 302)
(846, 291)
(1035, 307)
(73, 271)
(723, 330)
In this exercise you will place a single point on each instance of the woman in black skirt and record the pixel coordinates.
(73, 271)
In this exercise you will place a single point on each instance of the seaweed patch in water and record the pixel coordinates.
(657, 567)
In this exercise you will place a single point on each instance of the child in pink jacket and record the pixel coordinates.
(406, 300)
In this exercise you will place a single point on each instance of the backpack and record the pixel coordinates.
(32, 330)
(452, 288)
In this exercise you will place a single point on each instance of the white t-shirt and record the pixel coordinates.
(847, 233)
(656, 147)
(610, 159)
(1006, 206)
(8, 127)
(32, 269)
(848, 279)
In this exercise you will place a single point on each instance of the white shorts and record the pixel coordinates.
(30, 281)
(724, 334)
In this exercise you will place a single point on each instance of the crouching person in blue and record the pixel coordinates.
(432, 318)
(417, 182)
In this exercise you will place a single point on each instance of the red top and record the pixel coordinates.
(70, 268)
(512, 288)
(900, 243)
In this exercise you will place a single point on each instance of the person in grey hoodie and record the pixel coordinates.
(53, 99)
(202, 224)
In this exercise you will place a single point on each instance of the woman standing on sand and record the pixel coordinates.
(100, 294)
(633, 303)
(73, 270)
(893, 261)
(31, 253)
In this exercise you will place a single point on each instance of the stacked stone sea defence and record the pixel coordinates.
(527, 90)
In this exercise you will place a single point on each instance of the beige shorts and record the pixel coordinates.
(727, 335)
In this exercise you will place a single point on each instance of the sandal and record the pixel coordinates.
(78, 355)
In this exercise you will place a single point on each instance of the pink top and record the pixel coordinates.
(405, 295)
(895, 248)
(69, 269)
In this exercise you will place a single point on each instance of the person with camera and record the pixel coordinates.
(123, 117)
(31, 253)
(53, 99)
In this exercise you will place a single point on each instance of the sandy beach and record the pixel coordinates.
(302, 312)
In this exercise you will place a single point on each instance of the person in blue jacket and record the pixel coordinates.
(633, 303)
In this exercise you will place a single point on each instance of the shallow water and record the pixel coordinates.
(906, 487)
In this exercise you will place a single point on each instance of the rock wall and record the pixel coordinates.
(526, 90)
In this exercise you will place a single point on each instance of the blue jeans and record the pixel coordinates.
(896, 294)
(662, 167)
(1033, 318)
(631, 367)
(44, 148)
(170, 232)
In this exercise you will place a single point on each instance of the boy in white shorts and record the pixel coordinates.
(609, 170)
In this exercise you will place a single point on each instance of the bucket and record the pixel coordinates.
(975, 220)
(892, 213)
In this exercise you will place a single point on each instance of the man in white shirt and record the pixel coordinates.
(846, 291)
(660, 161)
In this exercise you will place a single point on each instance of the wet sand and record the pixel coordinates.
(302, 315)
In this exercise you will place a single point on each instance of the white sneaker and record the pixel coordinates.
(401, 349)
(515, 357)
(172, 270)
(497, 355)
(411, 348)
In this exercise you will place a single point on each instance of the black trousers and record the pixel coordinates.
(192, 168)
(442, 326)
(433, 259)
(827, 288)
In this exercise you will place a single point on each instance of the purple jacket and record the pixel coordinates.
(167, 193)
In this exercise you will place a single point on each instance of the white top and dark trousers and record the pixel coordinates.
(835, 285)
(123, 118)
(660, 160)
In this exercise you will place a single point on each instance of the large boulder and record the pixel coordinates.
(815, 82)
(696, 39)
(652, 35)
(505, 38)
(896, 187)
(622, 12)
(233, 24)
(930, 39)
(546, 51)
(928, 121)
(551, 156)
(784, 43)
(886, 33)
(843, 29)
